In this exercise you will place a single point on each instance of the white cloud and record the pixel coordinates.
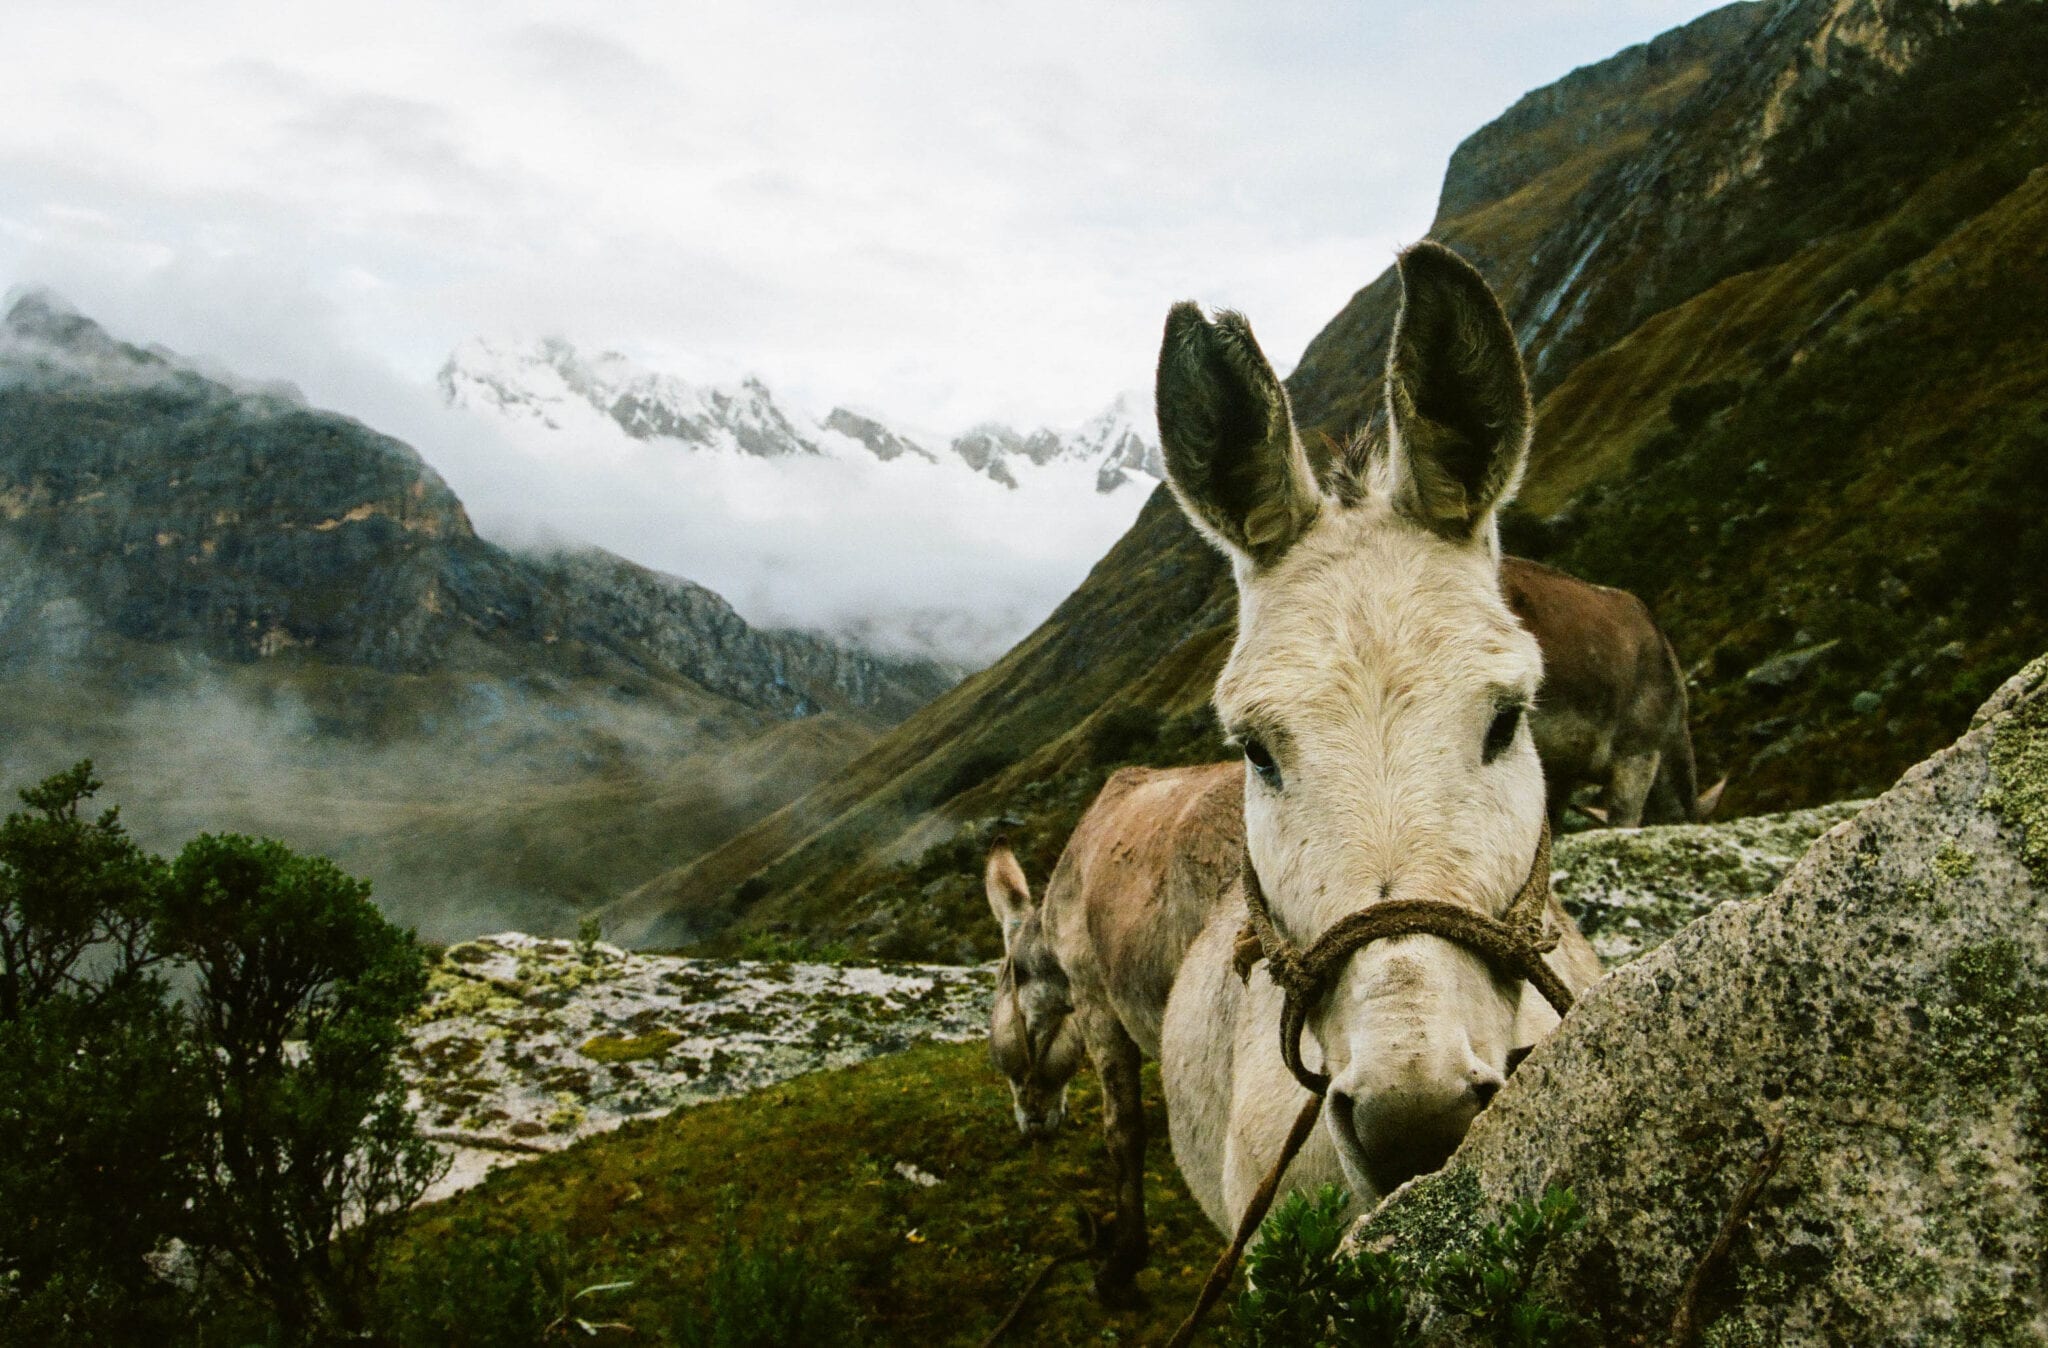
(955, 211)
(944, 212)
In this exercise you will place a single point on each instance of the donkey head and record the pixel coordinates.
(1379, 688)
(1031, 1035)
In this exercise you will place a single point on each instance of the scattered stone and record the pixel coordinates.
(1865, 702)
(525, 1044)
(923, 1179)
(1787, 667)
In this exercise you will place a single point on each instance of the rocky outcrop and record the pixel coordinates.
(879, 440)
(1706, 197)
(688, 629)
(1547, 127)
(1630, 890)
(1882, 1014)
(525, 1045)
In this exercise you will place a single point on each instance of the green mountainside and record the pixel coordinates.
(264, 617)
(1777, 277)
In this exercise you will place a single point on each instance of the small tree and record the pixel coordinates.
(302, 991)
(98, 1088)
(71, 886)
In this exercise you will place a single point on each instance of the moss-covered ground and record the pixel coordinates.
(812, 1164)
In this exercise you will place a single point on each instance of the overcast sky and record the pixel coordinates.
(943, 211)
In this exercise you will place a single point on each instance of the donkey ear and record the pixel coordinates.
(1232, 456)
(1457, 398)
(1009, 894)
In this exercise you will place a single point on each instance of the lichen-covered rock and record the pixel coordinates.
(1885, 1011)
(1632, 889)
(525, 1045)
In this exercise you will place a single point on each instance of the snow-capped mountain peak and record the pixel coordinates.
(552, 382)
(555, 385)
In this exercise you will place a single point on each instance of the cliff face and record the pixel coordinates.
(1768, 271)
(174, 508)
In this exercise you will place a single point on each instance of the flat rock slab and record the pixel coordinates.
(526, 1044)
(1632, 889)
(1885, 1012)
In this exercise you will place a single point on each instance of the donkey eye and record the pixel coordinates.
(1261, 759)
(1501, 733)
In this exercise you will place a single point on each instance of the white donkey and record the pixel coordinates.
(1379, 688)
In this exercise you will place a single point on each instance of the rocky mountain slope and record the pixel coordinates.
(1772, 272)
(237, 592)
(552, 384)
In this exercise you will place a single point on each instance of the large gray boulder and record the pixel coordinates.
(1882, 1012)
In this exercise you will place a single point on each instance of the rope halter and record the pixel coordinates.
(1513, 944)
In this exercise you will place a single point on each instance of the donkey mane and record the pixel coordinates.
(1348, 475)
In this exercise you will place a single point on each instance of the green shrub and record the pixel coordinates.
(1124, 735)
(1694, 403)
(98, 1088)
(976, 768)
(259, 1118)
(302, 988)
(1299, 1292)
(1302, 1290)
(1491, 1282)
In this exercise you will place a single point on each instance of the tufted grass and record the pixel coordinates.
(811, 1166)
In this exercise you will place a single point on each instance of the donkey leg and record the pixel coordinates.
(1628, 787)
(1119, 1063)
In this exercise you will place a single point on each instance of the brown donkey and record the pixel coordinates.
(1094, 960)
(1611, 710)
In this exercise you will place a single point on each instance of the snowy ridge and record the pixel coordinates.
(550, 384)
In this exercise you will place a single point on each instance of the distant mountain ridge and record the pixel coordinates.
(553, 383)
(256, 615)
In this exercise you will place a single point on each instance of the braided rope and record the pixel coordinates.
(1514, 944)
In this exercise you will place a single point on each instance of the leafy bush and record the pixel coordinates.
(302, 990)
(1693, 404)
(1491, 1281)
(976, 768)
(258, 1118)
(1302, 1290)
(1123, 735)
(98, 1098)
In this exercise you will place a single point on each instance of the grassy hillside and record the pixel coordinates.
(1774, 274)
(814, 1164)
